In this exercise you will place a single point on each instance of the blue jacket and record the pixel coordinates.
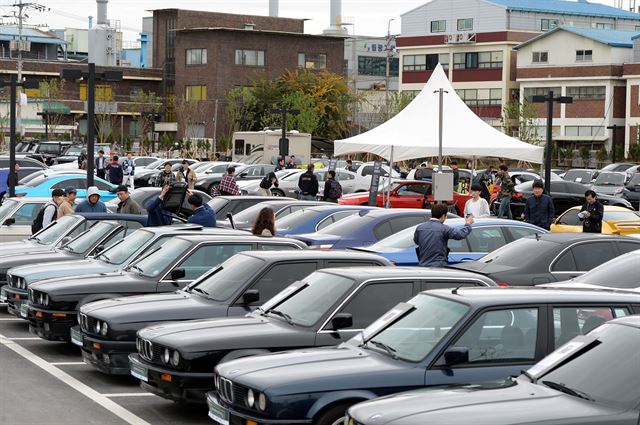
(431, 238)
(156, 215)
(204, 216)
(539, 211)
(86, 207)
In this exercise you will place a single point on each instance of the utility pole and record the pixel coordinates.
(441, 93)
(614, 140)
(549, 100)
(215, 126)
(389, 51)
(283, 146)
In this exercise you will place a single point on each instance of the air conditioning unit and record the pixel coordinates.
(450, 38)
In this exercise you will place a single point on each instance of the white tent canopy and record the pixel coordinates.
(413, 133)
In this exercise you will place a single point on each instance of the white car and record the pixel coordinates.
(288, 182)
(17, 215)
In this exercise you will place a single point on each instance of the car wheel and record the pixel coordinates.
(277, 192)
(211, 189)
(334, 415)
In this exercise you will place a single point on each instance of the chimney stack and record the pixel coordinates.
(102, 12)
(335, 19)
(273, 8)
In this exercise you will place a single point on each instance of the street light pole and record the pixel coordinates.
(441, 93)
(386, 81)
(614, 140)
(283, 146)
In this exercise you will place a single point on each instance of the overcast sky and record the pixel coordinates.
(370, 16)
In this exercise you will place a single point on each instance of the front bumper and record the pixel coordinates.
(109, 357)
(15, 298)
(51, 325)
(183, 386)
(239, 418)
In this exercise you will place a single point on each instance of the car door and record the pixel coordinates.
(347, 181)
(501, 342)
(483, 240)
(21, 228)
(569, 222)
(409, 195)
(370, 301)
(580, 258)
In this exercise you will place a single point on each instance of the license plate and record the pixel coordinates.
(24, 310)
(76, 337)
(139, 372)
(218, 413)
(3, 295)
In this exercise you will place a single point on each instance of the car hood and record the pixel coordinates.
(495, 404)
(225, 334)
(19, 247)
(119, 282)
(165, 307)
(322, 369)
(356, 195)
(483, 268)
(607, 190)
(26, 258)
(36, 272)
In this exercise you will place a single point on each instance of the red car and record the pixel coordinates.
(406, 194)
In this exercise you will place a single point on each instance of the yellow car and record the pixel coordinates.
(616, 221)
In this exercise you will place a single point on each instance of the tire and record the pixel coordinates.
(277, 192)
(333, 416)
(210, 189)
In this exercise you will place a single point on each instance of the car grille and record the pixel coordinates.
(87, 323)
(232, 392)
(151, 352)
(14, 281)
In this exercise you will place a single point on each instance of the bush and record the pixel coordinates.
(634, 152)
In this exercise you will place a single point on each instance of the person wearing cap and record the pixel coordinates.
(203, 214)
(92, 204)
(126, 204)
(66, 206)
(186, 174)
(308, 184)
(51, 207)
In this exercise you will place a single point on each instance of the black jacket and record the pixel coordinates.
(308, 183)
(592, 224)
(539, 211)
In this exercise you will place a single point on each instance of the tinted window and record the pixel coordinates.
(334, 218)
(521, 232)
(99, 184)
(502, 336)
(383, 230)
(456, 245)
(578, 176)
(570, 218)
(275, 246)
(486, 239)
(69, 182)
(373, 300)
(574, 188)
(621, 272)
(628, 246)
(569, 322)
(401, 223)
(296, 219)
(367, 170)
(590, 255)
(280, 276)
(515, 254)
(565, 263)
(412, 190)
(208, 256)
(230, 277)
(26, 214)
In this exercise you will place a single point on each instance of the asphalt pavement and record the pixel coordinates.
(44, 382)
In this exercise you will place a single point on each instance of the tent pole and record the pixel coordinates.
(388, 202)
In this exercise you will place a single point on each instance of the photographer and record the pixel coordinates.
(591, 213)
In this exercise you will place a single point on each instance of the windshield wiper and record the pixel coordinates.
(104, 258)
(202, 291)
(137, 268)
(285, 316)
(392, 351)
(563, 388)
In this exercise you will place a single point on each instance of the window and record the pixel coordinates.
(414, 63)
(377, 66)
(502, 336)
(69, 183)
(471, 60)
(458, 245)
(522, 232)
(584, 55)
(275, 247)
(401, 223)
(628, 247)
(565, 263)
(208, 256)
(333, 218)
(570, 219)
(280, 276)
(438, 26)
(603, 26)
(589, 92)
(26, 214)
(541, 91)
(569, 322)
(548, 24)
(474, 60)
(486, 239)
(540, 57)
(490, 59)
(583, 130)
(412, 190)
(465, 24)
(104, 93)
(637, 28)
(196, 56)
(250, 57)
(196, 92)
(374, 300)
(481, 96)
(318, 61)
(590, 255)
(383, 230)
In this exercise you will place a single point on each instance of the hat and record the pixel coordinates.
(122, 188)
(69, 190)
(57, 192)
(93, 190)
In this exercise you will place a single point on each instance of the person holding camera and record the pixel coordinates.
(269, 180)
(591, 213)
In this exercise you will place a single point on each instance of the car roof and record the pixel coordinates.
(31, 198)
(607, 208)
(367, 273)
(312, 254)
(380, 212)
(196, 228)
(114, 216)
(236, 238)
(488, 221)
(570, 237)
(633, 321)
(535, 294)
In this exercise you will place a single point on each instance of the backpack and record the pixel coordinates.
(265, 183)
(36, 226)
(335, 191)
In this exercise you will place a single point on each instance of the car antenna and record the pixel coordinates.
(454, 291)
(537, 236)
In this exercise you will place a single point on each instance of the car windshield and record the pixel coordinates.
(515, 253)
(155, 263)
(347, 225)
(6, 208)
(635, 180)
(229, 277)
(87, 239)
(296, 218)
(578, 176)
(615, 384)
(26, 179)
(218, 169)
(413, 336)
(52, 148)
(73, 151)
(57, 229)
(308, 306)
(610, 179)
(401, 240)
(156, 165)
(119, 253)
(621, 272)
(250, 214)
(38, 181)
(620, 215)
(291, 177)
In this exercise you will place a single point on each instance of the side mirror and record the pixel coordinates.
(250, 296)
(341, 321)
(9, 221)
(243, 175)
(230, 218)
(456, 355)
(177, 274)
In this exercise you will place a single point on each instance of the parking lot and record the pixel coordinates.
(46, 382)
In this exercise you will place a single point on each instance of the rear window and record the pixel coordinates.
(515, 253)
(621, 215)
(578, 176)
(347, 225)
(296, 219)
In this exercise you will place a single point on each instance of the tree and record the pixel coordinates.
(145, 107)
(602, 155)
(585, 155)
(306, 121)
(50, 92)
(105, 121)
(521, 117)
(192, 114)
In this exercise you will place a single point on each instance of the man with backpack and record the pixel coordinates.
(266, 183)
(332, 189)
(49, 211)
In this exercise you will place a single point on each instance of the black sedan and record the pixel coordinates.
(325, 308)
(593, 380)
(223, 205)
(631, 192)
(438, 338)
(53, 304)
(552, 257)
(565, 194)
(235, 288)
(281, 207)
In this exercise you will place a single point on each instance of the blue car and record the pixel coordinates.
(488, 234)
(43, 186)
(365, 228)
(4, 175)
(314, 219)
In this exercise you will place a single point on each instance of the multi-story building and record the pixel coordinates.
(474, 42)
(204, 54)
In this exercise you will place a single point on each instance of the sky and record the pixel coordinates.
(369, 16)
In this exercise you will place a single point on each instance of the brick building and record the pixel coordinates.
(204, 54)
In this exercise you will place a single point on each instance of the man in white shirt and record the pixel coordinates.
(476, 206)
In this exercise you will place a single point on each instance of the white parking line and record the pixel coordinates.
(26, 338)
(67, 363)
(84, 389)
(130, 395)
(10, 319)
